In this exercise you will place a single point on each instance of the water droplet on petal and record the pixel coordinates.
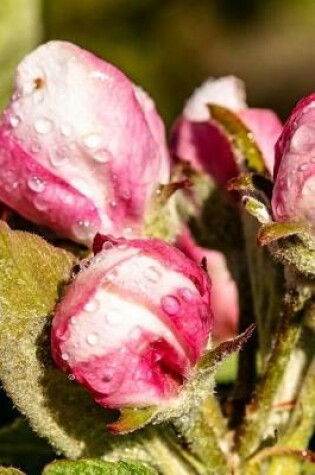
(36, 184)
(65, 356)
(111, 276)
(186, 295)
(71, 377)
(83, 229)
(14, 120)
(303, 167)
(152, 273)
(107, 245)
(57, 158)
(40, 203)
(114, 317)
(113, 204)
(91, 140)
(102, 156)
(170, 304)
(43, 126)
(66, 129)
(91, 306)
(92, 339)
(35, 147)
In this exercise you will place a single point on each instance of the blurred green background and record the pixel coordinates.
(170, 46)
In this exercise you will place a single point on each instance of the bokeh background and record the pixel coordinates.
(170, 46)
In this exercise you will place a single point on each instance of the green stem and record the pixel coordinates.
(252, 432)
(166, 454)
(204, 439)
(301, 428)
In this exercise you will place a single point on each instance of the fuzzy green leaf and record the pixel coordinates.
(10, 471)
(33, 274)
(96, 467)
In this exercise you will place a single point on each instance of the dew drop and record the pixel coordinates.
(57, 158)
(43, 126)
(170, 304)
(36, 184)
(113, 204)
(71, 377)
(152, 274)
(91, 306)
(186, 295)
(65, 356)
(114, 317)
(40, 203)
(35, 147)
(107, 245)
(15, 120)
(111, 276)
(303, 167)
(92, 339)
(66, 130)
(102, 156)
(82, 229)
(91, 140)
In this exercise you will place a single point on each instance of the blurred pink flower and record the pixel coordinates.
(196, 139)
(224, 293)
(82, 149)
(294, 190)
(133, 324)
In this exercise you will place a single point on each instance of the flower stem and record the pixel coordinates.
(252, 431)
(203, 430)
(301, 426)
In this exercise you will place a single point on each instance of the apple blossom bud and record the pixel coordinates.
(293, 196)
(133, 324)
(197, 139)
(82, 149)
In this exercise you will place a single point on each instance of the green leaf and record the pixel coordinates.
(131, 419)
(241, 137)
(96, 467)
(225, 349)
(10, 471)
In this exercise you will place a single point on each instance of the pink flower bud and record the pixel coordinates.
(81, 148)
(132, 325)
(294, 190)
(195, 139)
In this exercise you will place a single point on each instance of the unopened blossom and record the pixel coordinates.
(133, 324)
(82, 149)
(198, 140)
(294, 190)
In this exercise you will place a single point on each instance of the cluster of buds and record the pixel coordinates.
(82, 153)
